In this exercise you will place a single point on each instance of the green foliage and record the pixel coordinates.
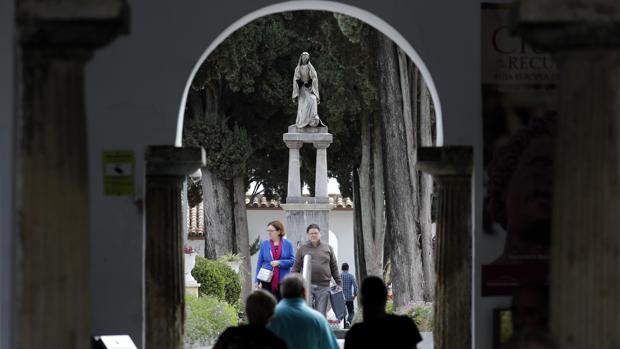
(505, 326)
(252, 72)
(231, 257)
(194, 192)
(420, 312)
(352, 28)
(205, 318)
(255, 246)
(217, 280)
(227, 148)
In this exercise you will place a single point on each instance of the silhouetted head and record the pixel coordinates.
(373, 296)
(345, 267)
(260, 307)
(293, 286)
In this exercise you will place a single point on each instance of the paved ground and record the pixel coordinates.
(427, 341)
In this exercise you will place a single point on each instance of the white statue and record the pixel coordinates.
(306, 90)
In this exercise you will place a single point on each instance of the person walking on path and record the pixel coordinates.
(324, 267)
(259, 307)
(276, 254)
(380, 330)
(349, 287)
(300, 326)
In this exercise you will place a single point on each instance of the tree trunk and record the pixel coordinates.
(373, 263)
(219, 229)
(197, 104)
(408, 278)
(358, 237)
(379, 187)
(242, 238)
(410, 119)
(425, 193)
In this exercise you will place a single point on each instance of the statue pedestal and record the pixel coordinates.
(300, 215)
(303, 211)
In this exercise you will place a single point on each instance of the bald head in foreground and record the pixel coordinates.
(300, 326)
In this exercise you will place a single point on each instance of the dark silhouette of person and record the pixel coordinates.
(380, 330)
(260, 307)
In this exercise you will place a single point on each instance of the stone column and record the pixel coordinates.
(52, 277)
(585, 307)
(320, 180)
(166, 168)
(451, 168)
(294, 177)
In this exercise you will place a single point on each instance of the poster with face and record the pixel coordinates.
(518, 99)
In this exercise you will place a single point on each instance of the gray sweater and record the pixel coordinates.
(324, 263)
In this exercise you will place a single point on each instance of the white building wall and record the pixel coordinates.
(340, 221)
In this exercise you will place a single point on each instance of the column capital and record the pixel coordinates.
(559, 24)
(451, 161)
(322, 145)
(71, 23)
(294, 144)
(164, 160)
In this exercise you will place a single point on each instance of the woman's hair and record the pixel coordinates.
(279, 227)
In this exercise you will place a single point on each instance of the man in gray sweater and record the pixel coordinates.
(324, 266)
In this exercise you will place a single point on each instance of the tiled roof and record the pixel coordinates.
(262, 202)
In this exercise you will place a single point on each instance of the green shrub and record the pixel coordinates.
(420, 312)
(205, 318)
(210, 279)
(217, 279)
(232, 284)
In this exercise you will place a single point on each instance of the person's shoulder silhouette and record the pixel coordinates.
(249, 337)
(394, 331)
(379, 329)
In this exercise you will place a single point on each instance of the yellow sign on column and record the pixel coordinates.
(118, 173)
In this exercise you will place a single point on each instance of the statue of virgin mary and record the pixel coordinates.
(306, 90)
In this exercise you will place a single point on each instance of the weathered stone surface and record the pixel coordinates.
(559, 24)
(586, 204)
(299, 216)
(166, 168)
(53, 281)
(294, 164)
(451, 168)
(308, 137)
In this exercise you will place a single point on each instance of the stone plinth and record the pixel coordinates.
(320, 138)
(303, 211)
(300, 215)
